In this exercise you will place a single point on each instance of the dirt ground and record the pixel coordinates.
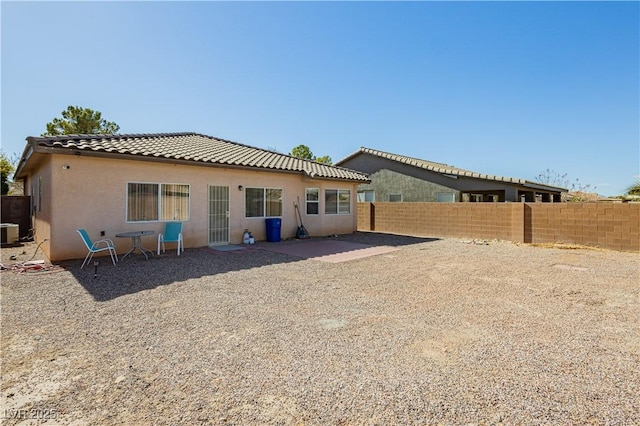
(433, 332)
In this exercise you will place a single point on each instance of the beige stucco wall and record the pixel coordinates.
(41, 204)
(91, 194)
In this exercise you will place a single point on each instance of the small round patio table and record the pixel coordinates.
(136, 242)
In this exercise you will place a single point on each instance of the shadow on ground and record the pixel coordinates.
(106, 281)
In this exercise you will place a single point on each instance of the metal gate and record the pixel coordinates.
(218, 215)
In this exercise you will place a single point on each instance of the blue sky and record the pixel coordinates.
(504, 88)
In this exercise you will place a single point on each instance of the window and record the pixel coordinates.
(312, 199)
(337, 201)
(395, 198)
(367, 196)
(273, 201)
(263, 202)
(174, 202)
(445, 197)
(149, 202)
(254, 202)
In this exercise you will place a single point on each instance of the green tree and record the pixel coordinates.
(634, 189)
(78, 120)
(302, 151)
(324, 160)
(6, 169)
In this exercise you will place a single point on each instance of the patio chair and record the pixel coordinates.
(172, 234)
(95, 247)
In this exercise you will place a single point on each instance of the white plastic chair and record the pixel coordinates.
(94, 247)
(172, 234)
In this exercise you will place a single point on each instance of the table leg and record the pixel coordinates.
(136, 243)
(141, 249)
(127, 253)
(145, 251)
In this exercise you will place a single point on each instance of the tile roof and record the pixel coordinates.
(444, 168)
(195, 148)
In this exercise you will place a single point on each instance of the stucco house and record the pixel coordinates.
(400, 178)
(109, 184)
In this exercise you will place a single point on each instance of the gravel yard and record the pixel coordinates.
(437, 332)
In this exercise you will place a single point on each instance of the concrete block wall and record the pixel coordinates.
(612, 226)
(365, 215)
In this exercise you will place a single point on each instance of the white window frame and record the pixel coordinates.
(264, 202)
(308, 202)
(338, 192)
(448, 195)
(364, 193)
(159, 207)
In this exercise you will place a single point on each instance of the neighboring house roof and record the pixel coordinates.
(184, 147)
(446, 169)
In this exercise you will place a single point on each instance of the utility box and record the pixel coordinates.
(9, 233)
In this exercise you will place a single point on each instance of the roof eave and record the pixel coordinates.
(541, 186)
(29, 150)
(34, 147)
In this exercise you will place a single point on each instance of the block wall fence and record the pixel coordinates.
(613, 226)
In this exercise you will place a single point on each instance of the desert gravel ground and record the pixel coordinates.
(439, 332)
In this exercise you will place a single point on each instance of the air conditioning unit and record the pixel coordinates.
(9, 233)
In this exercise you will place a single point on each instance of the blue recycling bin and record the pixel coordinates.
(273, 229)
